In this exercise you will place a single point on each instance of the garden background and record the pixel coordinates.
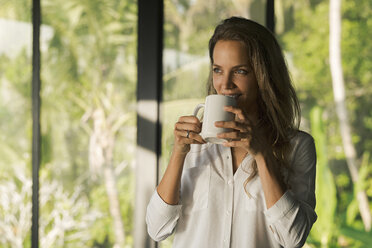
(89, 111)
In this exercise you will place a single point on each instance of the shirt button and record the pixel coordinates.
(228, 157)
(227, 212)
(229, 182)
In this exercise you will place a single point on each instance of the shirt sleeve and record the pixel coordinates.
(292, 216)
(161, 218)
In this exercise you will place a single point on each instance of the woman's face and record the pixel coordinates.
(232, 75)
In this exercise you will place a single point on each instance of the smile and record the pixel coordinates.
(234, 96)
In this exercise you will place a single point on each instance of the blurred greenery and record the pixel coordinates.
(324, 227)
(88, 122)
(88, 100)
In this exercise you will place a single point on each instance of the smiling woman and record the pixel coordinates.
(257, 188)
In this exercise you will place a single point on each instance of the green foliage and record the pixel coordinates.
(102, 227)
(307, 44)
(89, 63)
(99, 75)
(305, 40)
(358, 237)
(16, 10)
(357, 65)
(323, 229)
(188, 81)
(352, 214)
(66, 224)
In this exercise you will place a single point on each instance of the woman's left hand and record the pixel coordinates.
(242, 134)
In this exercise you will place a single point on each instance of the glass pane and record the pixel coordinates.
(187, 30)
(88, 123)
(303, 31)
(291, 30)
(15, 123)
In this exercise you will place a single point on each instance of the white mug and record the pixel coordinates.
(213, 111)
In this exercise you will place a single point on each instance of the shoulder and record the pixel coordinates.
(301, 137)
(302, 141)
(303, 149)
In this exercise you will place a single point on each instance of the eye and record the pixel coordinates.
(217, 70)
(241, 72)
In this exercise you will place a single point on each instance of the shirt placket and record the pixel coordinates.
(229, 196)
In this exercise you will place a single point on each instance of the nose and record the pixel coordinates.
(227, 81)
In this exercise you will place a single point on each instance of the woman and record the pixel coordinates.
(257, 189)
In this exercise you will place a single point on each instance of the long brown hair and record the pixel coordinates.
(278, 107)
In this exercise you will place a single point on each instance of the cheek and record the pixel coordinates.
(216, 83)
(249, 85)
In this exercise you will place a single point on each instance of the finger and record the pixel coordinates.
(189, 119)
(234, 135)
(193, 138)
(239, 112)
(187, 126)
(196, 137)
(182, 133)
(183, 140)
(233, 125)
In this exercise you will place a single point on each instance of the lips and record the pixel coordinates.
(236, 96)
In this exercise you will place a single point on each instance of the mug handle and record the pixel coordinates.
(197, 108)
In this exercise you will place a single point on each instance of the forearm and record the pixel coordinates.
(272, 185)
(169, 186)
(293, 214)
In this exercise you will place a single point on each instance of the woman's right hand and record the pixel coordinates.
(186, 132)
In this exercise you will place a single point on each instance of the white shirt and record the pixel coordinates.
(215, 211)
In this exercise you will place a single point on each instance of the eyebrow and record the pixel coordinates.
(237, 66)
